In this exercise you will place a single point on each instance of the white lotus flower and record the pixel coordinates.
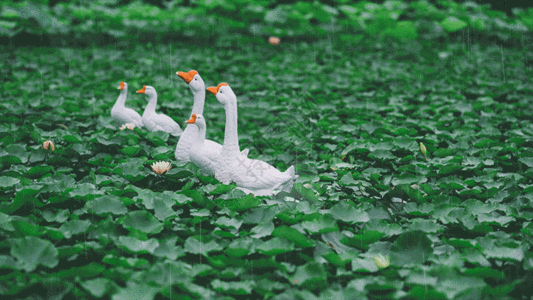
(160, 167)
(127, 125)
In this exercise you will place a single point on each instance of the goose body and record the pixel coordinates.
(202, 153)
(122, 114)
(184, 148)
(154, 121)
(250, 175)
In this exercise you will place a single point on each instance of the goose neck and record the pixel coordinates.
(152, 103)
(199, 100)
(122, 97)
(231, 139)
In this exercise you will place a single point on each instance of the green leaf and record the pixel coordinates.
(130, 150)
(321, 224)
(482, 272)
(528, 161)
(194, 246)
(107, 204)
(444, 152)
(168, 249)
(125, 262)
(84, 189)
(402, 30)
(138, 291)
(449, 168)
(87, 271)
(222, 189)
(455, 285)
(347, 180)
(233, 287)
(427, 226)
(74, 227)
(349, 214)
(239, 247)
(306, 193)
(7, 182)
(451, 182)
(141, 220)
(240, 204)
(293, 235)
(259, 215)
(98, 287)
(59, 216)
(382, 155)
(405, 178)
(310, 275)
(135, 245)
(364, 265)
(452, 24)
(363, 240)
(38, 171)
(26, 228)
(262, 230)
(229, 223)
(163, 209)
(275, 246)
(504, 253)
(410, 247)
(32, 251)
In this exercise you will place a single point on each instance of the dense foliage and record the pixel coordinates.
(93, 21)
(90, 219)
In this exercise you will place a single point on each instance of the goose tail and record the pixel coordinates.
(290, 172)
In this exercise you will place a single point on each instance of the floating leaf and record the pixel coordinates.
(31, 252)
(452, 24)
(293, 235)
(233, 287)
(275, 246)
(6, 181)
(137, 246)
(321, 224)
(410, 247)
(107, 204)
(143, 221)
(349, 214)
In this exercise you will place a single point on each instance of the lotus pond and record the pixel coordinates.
(91, 220)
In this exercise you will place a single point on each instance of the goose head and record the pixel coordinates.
(193, 79)
(122, 86)
(223, 93)
(148, 90)
(197, 120)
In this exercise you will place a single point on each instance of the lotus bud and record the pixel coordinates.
(381, 261)
(49, 144)
(423, 149)
(160, 167)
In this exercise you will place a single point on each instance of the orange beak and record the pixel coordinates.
(192, 120)
(214, 90)
(142, 91)
(121, 86)
(187, 77)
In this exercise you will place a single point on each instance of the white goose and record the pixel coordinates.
(184, 148)
(200, 154)
(154, 121)
(250, 175)
(122, 114)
